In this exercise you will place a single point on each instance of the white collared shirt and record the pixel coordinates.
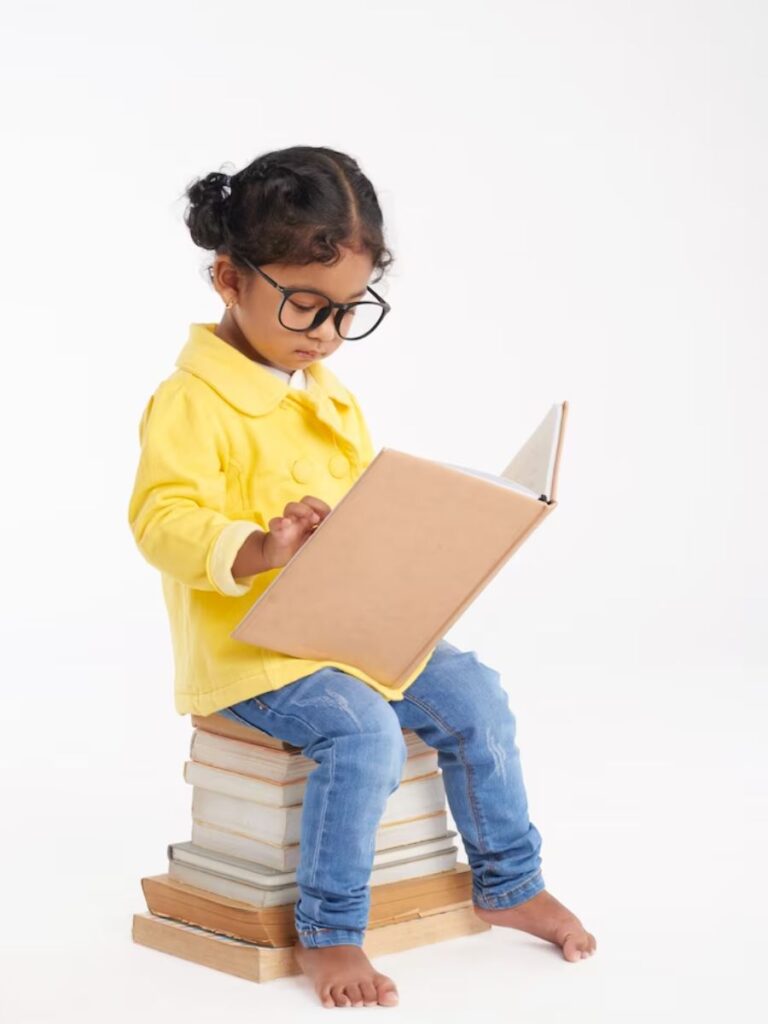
(296, 379)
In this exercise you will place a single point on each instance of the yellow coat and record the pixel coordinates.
(225, 444)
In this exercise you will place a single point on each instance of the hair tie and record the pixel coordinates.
(226, 185)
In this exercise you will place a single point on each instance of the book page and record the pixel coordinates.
(503, 481)
(534, 465)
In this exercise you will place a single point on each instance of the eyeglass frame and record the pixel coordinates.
(327, 309)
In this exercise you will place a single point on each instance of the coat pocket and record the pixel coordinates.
(236, 496)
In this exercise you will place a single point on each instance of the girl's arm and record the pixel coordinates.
(250, 559)
(180, 489)
(262, 551)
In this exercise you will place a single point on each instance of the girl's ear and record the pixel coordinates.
(226, 278)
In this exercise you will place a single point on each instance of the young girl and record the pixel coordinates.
(245, 448)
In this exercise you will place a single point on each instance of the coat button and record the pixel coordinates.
(339, 465)
(302, 470)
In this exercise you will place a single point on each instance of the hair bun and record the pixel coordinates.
(208, 200)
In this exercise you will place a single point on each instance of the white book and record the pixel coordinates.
(283, 766)
(416, 867)
(280, 794)
(283, 824)
(286, 857)
(263, 876)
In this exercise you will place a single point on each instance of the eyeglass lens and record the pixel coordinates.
(301, 308)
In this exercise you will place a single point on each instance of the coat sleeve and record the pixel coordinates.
(176, 507)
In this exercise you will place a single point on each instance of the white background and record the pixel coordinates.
(575, 194)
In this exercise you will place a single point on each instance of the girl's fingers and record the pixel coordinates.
(283, 524)
(280, 524)
(302, 512)
(308, 506)
(320, 506)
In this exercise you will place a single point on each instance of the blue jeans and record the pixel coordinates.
(456, 705)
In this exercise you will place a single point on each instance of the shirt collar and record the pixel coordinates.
(248, 385)
(295, 379)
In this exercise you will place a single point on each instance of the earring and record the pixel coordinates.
(230, 304)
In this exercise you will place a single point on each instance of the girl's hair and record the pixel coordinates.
(295, 205)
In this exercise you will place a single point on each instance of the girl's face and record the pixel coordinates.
(251, 325)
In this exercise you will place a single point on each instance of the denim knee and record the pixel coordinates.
(385, 751)
(376, 748)
(482, 700)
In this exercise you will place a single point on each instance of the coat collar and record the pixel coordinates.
(247, 385)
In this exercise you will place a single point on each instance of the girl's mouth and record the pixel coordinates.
(307, 355)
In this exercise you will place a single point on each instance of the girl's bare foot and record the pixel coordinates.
(344, 976)
(546, 917)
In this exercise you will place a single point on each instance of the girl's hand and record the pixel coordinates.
(288, 532)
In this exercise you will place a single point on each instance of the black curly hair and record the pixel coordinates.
(296, 205)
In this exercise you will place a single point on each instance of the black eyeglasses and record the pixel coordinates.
(304, 309)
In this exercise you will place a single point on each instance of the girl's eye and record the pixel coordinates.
(300, 306)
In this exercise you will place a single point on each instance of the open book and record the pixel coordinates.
(395, 563)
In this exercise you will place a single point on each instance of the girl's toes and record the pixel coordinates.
(339, 996)
(388, 996)
(353, 994)
(326, 998)
(368, 992)
(571, 950)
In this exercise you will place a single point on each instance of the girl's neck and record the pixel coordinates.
(229, 331)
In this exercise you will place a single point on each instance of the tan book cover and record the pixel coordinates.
(223, 726)
(274, 926)
(219, 725)
(399, 558)
(266, 963)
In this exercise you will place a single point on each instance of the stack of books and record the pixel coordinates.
(227, 899)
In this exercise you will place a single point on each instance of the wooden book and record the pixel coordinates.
(220, 725)
(390, 569)
(265, 963)
(274, 926)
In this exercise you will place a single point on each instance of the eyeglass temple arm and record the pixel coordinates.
(381, 299)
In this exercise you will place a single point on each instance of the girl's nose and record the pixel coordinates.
(325, 332)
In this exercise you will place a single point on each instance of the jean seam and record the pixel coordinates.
(278, 714)
(298, 718)
(468, 767)
(323, 814)
(339, 937)
(241, 718)
(511, 892)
